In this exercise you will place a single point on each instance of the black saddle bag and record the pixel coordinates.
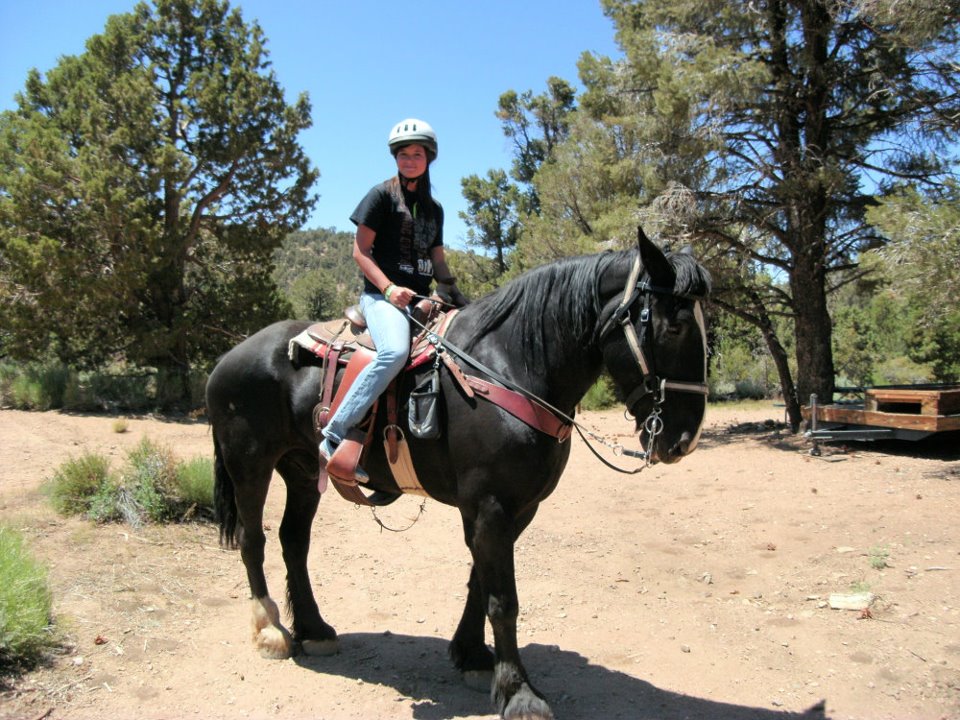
(423, 414)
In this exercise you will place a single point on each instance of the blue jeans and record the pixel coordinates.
(390, 330)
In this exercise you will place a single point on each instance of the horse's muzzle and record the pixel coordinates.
(676, 452)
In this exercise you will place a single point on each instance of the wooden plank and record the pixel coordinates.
(853, 415)
(913, 400)
(949, 402)
(909, 408)
(921, 402)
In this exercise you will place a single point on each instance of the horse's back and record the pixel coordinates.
(255, 380)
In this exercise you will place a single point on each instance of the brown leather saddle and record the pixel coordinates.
(344, 349)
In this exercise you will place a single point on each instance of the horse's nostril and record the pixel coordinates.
(683, 445)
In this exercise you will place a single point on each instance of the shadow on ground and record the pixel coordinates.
(944, 446)
(418, 669)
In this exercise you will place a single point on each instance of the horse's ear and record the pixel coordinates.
(654, 261)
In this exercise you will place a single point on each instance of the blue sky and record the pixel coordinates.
(367, 64)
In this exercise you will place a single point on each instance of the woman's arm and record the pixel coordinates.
(363, 256)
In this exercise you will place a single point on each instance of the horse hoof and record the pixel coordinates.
(527, 706)
(479, 680)
(274, 644)
(320, 648)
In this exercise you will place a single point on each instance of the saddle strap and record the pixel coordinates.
(331, 359)
(392, 430)
(402, 467)
(520, 406)
(457, 374)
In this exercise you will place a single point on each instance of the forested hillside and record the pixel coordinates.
(314, 269)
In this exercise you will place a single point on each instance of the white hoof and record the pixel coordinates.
(320, 648)
(274, 643)
(270, 637)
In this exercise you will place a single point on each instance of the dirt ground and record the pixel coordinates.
(698, 590)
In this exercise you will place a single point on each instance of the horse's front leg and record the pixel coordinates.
(492, 546)
(468, 649)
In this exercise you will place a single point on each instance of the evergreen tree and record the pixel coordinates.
(144, 185)
(761, 131)
(921, 264)
(492, 214)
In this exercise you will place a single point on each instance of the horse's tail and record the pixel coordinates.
(225, 503)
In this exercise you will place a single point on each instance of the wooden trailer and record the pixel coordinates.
(903, 412)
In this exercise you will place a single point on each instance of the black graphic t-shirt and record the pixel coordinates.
(405, 236)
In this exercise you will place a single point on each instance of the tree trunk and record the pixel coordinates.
(758, 316)
(173, 388)
(813, 331)
(782, 363)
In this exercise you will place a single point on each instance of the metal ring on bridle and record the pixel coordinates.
(654, 423)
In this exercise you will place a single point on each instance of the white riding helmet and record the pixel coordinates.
(412, 131)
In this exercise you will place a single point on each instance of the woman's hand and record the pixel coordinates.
(450, 293)
(399, 296)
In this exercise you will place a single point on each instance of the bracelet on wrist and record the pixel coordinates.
(388, 289)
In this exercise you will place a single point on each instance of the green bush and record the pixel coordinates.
(34, 386)
(150, 478)
(151, 487)
(25, 605)
(77, 482)
(901, 371)
(195, 482)
(600, 396)
(47, 386)
(750, 390)
(112, 391)
(105, 504)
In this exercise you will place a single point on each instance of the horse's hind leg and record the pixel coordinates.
(270, 637)
(314, 635)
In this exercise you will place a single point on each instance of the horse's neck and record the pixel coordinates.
(564, 370)
(575, 368)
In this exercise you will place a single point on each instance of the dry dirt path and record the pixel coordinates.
(699, 590)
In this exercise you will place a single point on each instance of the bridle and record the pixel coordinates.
(636, 289)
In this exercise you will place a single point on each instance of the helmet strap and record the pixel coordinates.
(407, 180)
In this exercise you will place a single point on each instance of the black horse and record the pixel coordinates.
(551, 331)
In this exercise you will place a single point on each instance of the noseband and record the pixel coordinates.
(652, 384)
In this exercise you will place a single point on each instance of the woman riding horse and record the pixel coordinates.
(552, 331)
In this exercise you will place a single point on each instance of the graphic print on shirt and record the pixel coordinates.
(416, 235)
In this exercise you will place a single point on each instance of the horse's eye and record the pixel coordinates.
(683, 318)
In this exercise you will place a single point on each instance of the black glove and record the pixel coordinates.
(451, 294)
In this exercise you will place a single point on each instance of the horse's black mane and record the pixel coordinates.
(561, 300)
(693, 279)
(560, 294)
